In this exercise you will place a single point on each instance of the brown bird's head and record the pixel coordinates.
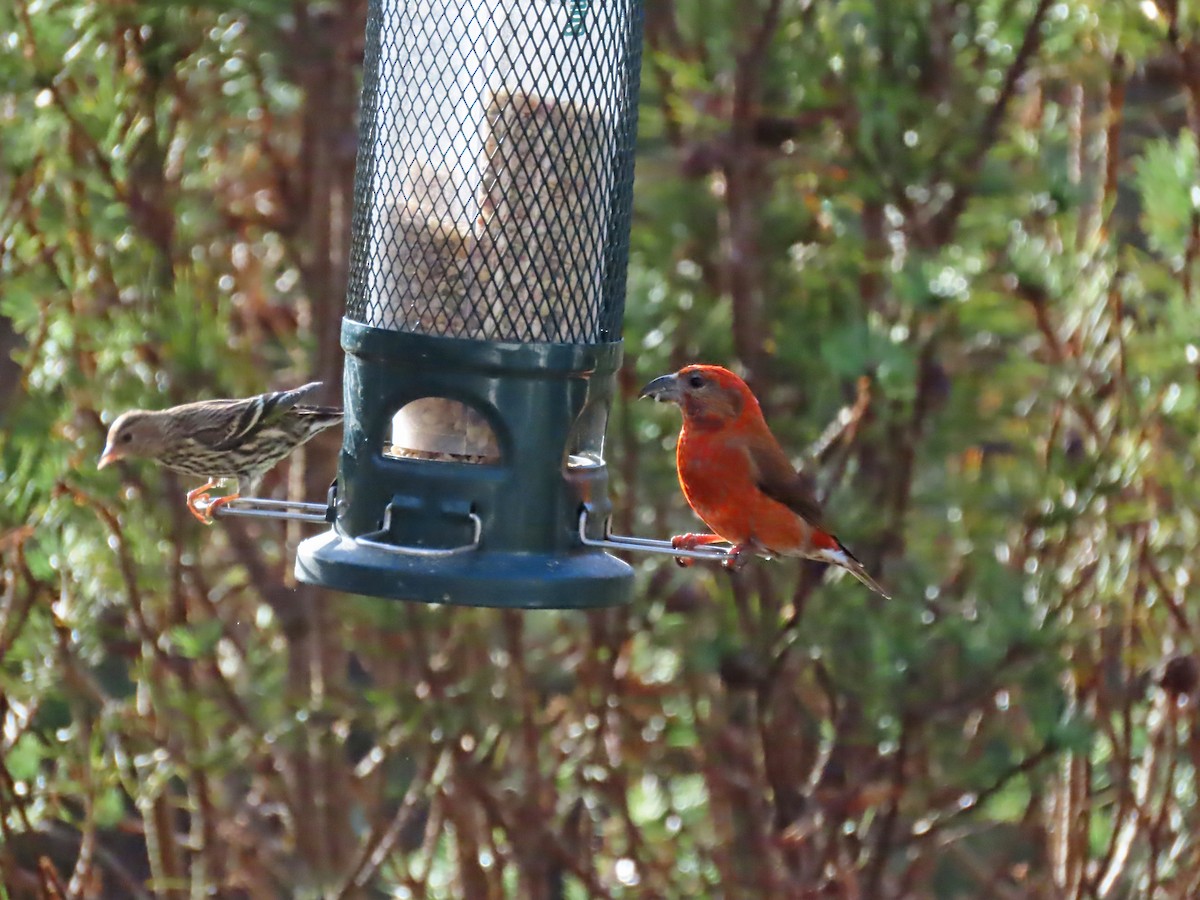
(706, 394)
(138, 432)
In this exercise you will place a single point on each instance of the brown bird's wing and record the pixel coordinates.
(778, 479)
(212, 422)
(226, 424)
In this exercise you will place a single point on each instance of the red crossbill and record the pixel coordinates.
(737, 478)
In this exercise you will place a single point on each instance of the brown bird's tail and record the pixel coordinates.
(840, 556)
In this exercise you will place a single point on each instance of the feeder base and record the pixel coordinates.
(581, 579)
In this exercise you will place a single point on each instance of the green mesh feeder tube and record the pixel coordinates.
(483, 315)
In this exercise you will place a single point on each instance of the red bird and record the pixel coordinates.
(737, 478)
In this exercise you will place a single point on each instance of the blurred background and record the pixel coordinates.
(959, 240)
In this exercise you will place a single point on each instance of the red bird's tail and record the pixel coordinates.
(833, 551)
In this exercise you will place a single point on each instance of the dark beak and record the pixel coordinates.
(665, 387)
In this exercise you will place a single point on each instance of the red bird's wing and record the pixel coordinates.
(775, 477)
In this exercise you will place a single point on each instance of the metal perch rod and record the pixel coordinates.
(300, 511)
(612, 541)
(262, 508)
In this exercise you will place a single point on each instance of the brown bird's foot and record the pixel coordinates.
(214, 505)
(200, 495)
(691, 542)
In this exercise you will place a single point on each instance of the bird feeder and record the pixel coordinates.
(483, 317)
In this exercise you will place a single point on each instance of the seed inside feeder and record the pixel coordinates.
(540, 229)
(528, 270)
(442, 429)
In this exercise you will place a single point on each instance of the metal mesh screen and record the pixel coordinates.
(495, 168)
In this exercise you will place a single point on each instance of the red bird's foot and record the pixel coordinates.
(738, 555)
(197, 496)
(691, 542)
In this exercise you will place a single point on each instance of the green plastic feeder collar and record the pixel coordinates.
(483, 317)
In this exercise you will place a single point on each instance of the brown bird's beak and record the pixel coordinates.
(110, 455)
(664, 388)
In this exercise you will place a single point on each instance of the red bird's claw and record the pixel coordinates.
(692, 541)
(683, 542)
(737, 558)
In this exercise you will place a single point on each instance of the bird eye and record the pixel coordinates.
(696, 380)
(126, 438)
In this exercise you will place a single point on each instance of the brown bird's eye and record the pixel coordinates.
(126, 438)
(696, 380)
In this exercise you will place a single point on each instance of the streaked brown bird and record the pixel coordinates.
(220, 439)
